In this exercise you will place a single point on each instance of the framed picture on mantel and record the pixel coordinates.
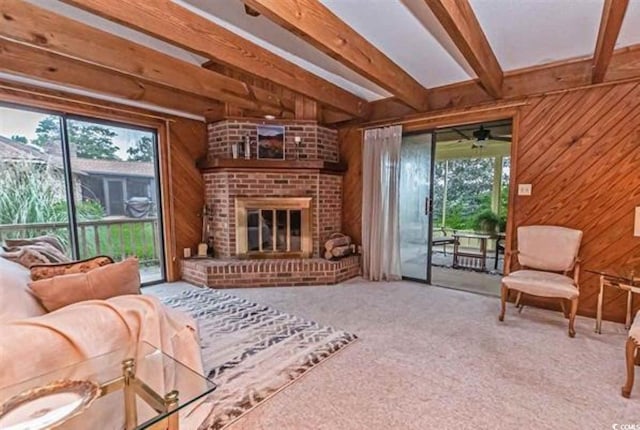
(271, 142)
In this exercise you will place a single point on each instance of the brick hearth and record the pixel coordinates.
(225, 181)
(269, 272)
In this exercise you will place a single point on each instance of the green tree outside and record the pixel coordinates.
(21, 139)
(142, 150)
(89, 140)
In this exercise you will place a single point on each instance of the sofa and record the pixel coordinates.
(34, 342)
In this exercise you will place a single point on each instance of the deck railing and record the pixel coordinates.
(117, 238)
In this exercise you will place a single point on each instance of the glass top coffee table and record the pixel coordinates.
(620, 280)
(143, 389)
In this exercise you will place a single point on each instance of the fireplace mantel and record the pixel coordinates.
(320, 166)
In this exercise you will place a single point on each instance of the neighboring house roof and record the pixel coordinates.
(10, 150)
(114, 167)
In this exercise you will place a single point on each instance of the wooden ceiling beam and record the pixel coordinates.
(613, 13)
(27, 23)
(37, 63)
(563, 75)
(316, 24)
(168, 21)
(460, 23)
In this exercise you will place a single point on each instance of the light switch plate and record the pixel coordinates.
(524, 189)
(636, 230)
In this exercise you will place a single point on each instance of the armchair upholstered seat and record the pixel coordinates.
(544, 284)
(547, 255)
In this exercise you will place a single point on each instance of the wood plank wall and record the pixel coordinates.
(350, 140)
(580, 150)
(188, 143)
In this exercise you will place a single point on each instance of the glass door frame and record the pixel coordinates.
(428, 204)
(68, 175)
(158, 180)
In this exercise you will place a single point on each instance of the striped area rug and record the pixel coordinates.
(251, 351)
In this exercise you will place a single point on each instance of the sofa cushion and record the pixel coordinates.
(16, 299)
(45, 271)
(545, 284)
(102, 283)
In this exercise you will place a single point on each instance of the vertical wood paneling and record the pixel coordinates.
(188, 143)
(351, 153)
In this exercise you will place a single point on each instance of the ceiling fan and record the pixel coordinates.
(480, 136)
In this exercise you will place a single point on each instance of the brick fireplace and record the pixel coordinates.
(253, 198)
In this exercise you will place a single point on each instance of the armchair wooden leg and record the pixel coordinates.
(519, 304)
(564, 308)
(631, 351)
(638, 357)
(572, 317)
(504, 293)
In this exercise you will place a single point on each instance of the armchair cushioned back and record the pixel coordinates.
(546, 247)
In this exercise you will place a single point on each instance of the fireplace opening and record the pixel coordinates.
(273, 227)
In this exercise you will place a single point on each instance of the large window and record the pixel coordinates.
(93, 184)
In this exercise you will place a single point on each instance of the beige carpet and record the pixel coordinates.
(433, 358)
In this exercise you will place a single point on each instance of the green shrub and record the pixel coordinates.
(487, 221)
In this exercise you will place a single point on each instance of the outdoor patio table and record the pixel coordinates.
(471, 259)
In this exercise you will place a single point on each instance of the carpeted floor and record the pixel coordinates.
(432, 358)
(251, 351)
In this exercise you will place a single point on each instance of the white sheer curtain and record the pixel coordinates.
(380, 192)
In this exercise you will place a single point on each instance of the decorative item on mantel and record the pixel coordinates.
(297, 140)
(339, 246)
(271, 143)
(247, 147)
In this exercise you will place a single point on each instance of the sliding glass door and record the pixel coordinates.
(33, 196)
(92, 183)
(416, 171)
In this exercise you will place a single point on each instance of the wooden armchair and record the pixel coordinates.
(632, 355)
(547, 255)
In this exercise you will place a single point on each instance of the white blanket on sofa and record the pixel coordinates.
(37, 345)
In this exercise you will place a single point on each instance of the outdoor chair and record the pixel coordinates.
(547, 255)
(443, 240)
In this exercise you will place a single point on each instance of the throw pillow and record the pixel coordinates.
(44, 271)
(50, 239)
(102, 283)
(36, 253)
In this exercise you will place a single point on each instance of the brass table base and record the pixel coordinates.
(133, 387)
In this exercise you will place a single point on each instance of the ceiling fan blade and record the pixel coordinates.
(501, 139)
(461, 133)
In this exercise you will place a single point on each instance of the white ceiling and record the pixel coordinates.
(630, 31)
(532, 32)
(522, 33)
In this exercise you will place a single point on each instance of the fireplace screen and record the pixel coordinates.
(272, 227)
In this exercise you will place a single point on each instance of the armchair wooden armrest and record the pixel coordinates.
(507, 260)
(576, 272)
